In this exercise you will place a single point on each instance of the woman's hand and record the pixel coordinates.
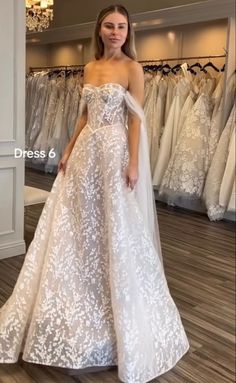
(131, 175)
(63, 162)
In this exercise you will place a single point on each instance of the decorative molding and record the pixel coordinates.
(7, 148)
(19, 73)
(12, 249)
(185, 14)
(12, 235)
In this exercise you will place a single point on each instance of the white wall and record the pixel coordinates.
(160, 43)
(12, 130)
(208, 38)
(198, 39)
(69, 53)
(37, 56)
(75, 52)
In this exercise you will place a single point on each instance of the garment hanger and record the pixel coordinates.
(176, 68)
(80, 77)
(62, 73)
(165, 66)
(196, 65)
(211, 65)
(191, 70)
(53, 73)
(68, 72)
(223, 68)
(57, 72)
(159, 67)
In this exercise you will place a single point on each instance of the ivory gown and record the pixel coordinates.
(92, 290)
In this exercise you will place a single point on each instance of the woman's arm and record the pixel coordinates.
(80, 125)
(136, 89)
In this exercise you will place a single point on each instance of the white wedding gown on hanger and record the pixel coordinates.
(216, 172)
(169, 136)
(185, 175)
(92, 290)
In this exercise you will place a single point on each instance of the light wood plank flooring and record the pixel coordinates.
(199, 258)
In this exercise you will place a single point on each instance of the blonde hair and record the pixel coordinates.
(128, 47)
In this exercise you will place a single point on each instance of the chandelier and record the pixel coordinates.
(38, 14)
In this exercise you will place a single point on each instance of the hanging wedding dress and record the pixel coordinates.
(71, 85)
(28, 90)
(229, 96)
(158, 122)
(232, 201)
(215, 174)
(187, 107)
(92, 289)
(35, 104)
(73, 110)
(41, 142)
(150, 109)
(169, 136)
(186, 171)
(217, 94)
(215, 132)
(216, 119)
(31, 102)
(55, 138)
(171, 90)
(228, 180)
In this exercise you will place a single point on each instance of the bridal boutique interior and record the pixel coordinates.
(187, 50)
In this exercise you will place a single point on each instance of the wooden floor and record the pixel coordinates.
(199, 258)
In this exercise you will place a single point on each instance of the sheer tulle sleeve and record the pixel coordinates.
(144, 189)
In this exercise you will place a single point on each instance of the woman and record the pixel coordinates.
(92, 290)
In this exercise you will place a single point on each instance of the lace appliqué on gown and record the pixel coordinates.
(186, 172)
(92, 290)
(215, 174)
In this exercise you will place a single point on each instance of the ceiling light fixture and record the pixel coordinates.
(38, 14)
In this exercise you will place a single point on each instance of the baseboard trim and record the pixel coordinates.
(9, 250)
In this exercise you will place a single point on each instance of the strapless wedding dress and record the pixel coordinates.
(92, 289)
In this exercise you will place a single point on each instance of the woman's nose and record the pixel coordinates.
(114, 31)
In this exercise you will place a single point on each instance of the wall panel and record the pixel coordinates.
(12, 129)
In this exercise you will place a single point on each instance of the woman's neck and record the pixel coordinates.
(112, 54)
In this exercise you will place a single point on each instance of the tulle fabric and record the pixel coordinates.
(144, 189)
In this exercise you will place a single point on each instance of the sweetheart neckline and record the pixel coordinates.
(106, 83)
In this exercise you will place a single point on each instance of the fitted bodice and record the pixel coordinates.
(105, 103)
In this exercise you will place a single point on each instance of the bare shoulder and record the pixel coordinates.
(88, 68)
(135, 66)
(90, 64)
(136, 80)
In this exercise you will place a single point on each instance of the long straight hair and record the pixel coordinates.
(128, 47)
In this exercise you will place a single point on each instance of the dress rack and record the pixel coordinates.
(182, 58)
(62, 67)
(65, 67)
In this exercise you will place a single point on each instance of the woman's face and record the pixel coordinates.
(114, 30)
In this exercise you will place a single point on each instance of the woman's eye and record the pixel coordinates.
(111, 26)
